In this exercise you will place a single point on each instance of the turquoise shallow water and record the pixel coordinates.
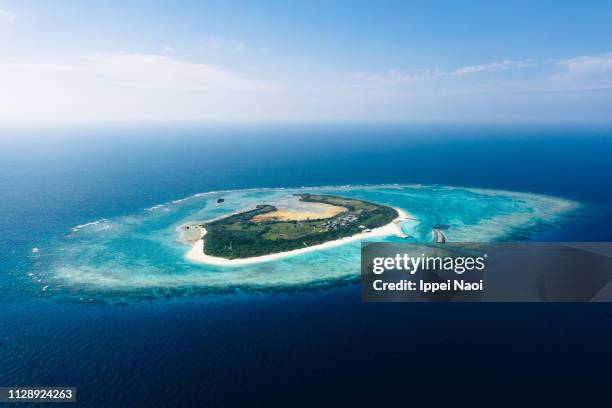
(143, 251)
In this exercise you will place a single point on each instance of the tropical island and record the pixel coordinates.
(305, 221)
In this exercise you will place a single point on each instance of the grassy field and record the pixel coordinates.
(239, 236)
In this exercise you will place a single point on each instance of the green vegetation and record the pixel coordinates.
(238, 236)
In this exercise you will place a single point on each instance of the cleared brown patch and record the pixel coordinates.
(319, 211)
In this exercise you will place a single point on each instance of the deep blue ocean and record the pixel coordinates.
(291, 347)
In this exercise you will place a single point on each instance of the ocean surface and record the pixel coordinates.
(96, 292)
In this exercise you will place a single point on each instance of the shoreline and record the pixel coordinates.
(196, 253)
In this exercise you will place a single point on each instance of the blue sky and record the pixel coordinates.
(142, 61)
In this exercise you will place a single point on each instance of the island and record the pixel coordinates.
(302, 222)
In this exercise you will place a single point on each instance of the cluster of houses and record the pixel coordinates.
(341, 221)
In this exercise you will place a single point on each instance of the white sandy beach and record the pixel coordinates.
(196, 253)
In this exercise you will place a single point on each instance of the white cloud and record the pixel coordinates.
(157, 87)
(152, 71)
(394, 77)
(587, 64)
(583, 73)
(6, 16)
(495, 66)
(573, 89)
(126, 87)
